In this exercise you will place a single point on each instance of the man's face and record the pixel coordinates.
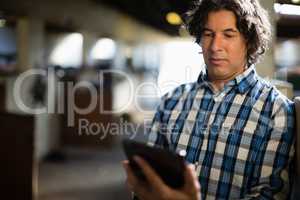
(224, 47)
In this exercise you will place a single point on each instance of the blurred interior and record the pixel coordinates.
(121, 55)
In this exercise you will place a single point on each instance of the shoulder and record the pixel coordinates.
(181, 90)
(279, 102)
(174, 96)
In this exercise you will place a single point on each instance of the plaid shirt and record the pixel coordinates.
(241, 138)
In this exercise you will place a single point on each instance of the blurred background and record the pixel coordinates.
(76, 77)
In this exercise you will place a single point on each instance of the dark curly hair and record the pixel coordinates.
(252, 21)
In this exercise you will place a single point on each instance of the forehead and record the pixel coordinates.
(221, 19)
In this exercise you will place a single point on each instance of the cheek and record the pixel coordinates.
(242, 50)
(204, 47)
(204, 54)
(238, 52)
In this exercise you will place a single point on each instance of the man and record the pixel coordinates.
(234, 126)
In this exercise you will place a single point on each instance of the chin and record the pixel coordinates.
(219, 70)
(218, 74)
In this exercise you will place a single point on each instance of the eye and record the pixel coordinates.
(228, 35)
(207, 34)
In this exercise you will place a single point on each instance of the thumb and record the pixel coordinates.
(191, 181)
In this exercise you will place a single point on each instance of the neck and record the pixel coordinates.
(218, 83)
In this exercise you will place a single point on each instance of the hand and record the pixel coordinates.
(156, 189)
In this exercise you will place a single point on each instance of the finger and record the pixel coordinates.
(131, 179)
(191, 180)
(153, 179)
(133, 182)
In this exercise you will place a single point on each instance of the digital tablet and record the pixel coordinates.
(167, 164)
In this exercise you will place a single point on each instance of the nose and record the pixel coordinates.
(216, 43)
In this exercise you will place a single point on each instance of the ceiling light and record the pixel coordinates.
(104, 49)
(295, 1)
(173, 18)
(2, 23)
(287, 9)
(68, 52)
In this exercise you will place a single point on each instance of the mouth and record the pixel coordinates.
(216, 61)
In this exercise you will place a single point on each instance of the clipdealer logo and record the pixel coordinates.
(66, 104)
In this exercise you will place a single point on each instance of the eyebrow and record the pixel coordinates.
(226, 30)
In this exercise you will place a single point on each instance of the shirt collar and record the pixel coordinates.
(243, 82)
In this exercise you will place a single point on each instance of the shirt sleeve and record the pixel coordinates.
(158, 134)
(157, 129)
(273, 170)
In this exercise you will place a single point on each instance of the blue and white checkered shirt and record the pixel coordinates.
(240, 138)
